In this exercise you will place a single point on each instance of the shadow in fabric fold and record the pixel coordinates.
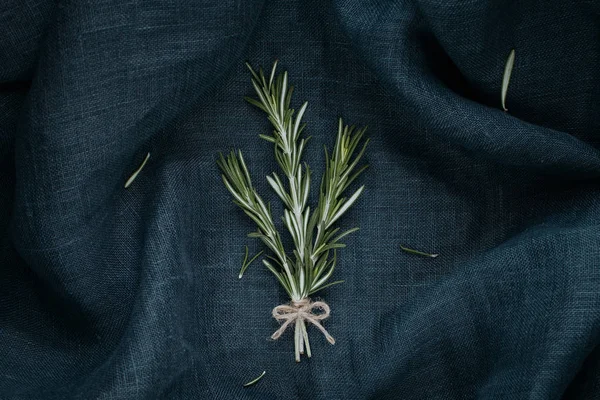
(109, 79)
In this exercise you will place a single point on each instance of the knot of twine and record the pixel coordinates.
(301, 310)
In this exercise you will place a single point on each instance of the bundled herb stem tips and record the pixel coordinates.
(308, 268)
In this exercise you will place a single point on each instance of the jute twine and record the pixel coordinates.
(301, 310)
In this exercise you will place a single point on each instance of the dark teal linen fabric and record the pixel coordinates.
(112, 293)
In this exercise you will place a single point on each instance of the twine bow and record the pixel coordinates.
(301, 310)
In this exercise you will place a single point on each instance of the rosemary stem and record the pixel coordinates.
(301, 338)
(286, 267)
(305, 336)
(297, 339)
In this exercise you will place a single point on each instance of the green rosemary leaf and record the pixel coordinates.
(357, 158)
(325, 286)
(252, 71)
(253, 381)
(283, 93)
(419, 253)
(510, 62)
(305, 186)
(296, 130)
(328, 265)
(255, 257)
(319, 283)
(262, 75)
(352, 178)
(280, 277)
(329, 247)
(245, 169)
(245, 259)
(320, 265)
(261, 95)
(255, 103)
(261, 225)
(267, 138)
(329, 234)
(288, 97)
(280, 190)
(346, 205)
(246, 264)
(235, 194)
(349, 231)
(137, 171)
(275, 261)
(257, 235)
(273, 73)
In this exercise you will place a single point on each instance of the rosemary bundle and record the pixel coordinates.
(310, 265)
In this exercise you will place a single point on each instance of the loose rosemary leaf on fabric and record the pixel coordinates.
(510, 62)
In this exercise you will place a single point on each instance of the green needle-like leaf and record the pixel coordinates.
(246, 263)
(510, 62)
(253, 381)
(419, 253)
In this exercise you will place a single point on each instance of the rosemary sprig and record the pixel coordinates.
(316, 239)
